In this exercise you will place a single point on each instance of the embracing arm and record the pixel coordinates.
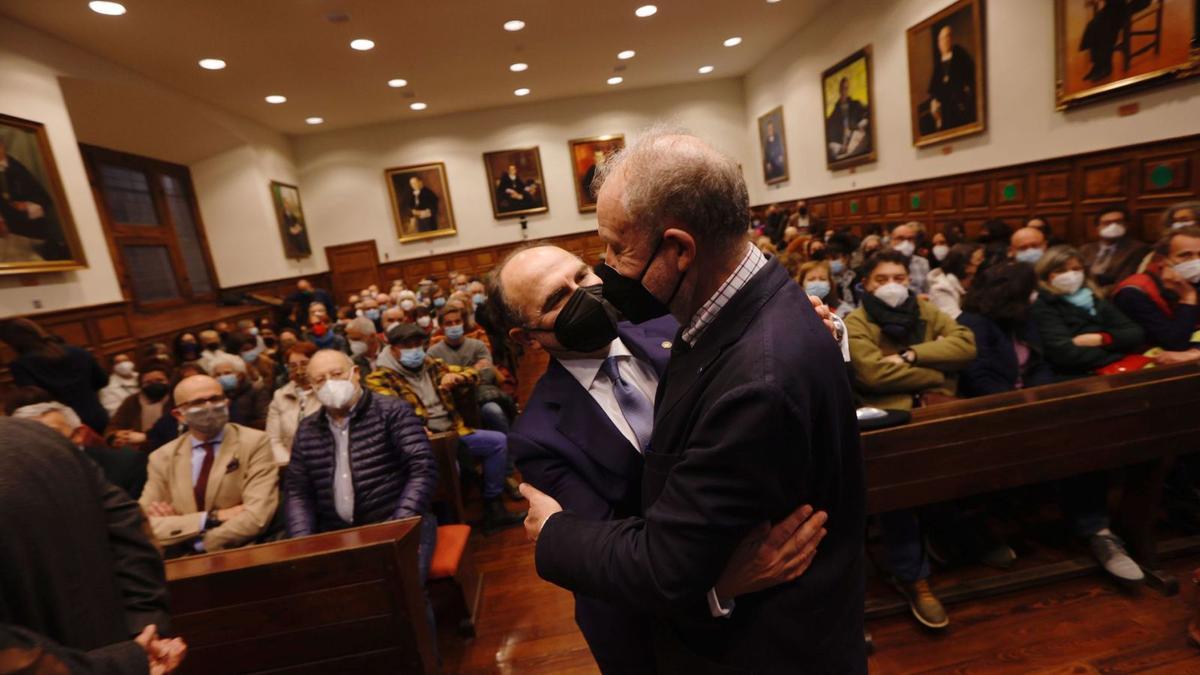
(413, 444)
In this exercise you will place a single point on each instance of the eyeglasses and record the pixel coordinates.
(219, 399)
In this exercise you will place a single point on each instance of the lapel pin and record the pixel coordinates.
(666, 344)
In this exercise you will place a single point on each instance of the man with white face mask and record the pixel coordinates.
(1116, 255)
(214, 487)
(1163, 299)
(122, 383)
(904, 239)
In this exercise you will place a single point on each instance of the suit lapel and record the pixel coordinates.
(224, 456)
(648, 348)
(583, 422)
(182, 460)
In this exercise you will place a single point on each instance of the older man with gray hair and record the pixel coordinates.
(125, 468)
(753, 418)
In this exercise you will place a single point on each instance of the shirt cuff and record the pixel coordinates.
(844, 337)
(203, 521)
(715, 608)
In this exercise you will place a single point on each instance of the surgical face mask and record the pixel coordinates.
(586, 322)
(252, 355)
(630, 297)
(155, 391)
(1189, 270)
(905, 247)
(358, 347)
(837, 266)
(1029, 256)
(407, 305)
(228, 382)
(817, 288)
(424, 321)
(254, 330)
(336, 394)
(1112, 231)
(372, 314)
(207, 419)
(1067, 282)
(892, 294)
(454, 333)
(124, 369)
(940, 251)
(412, 358)
(212, 346)
(439, 302)
(1182, 223)
(478, 299)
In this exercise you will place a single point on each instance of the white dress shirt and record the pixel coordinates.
(343, 482)
(636, 372)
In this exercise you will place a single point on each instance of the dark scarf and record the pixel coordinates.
(902, 324)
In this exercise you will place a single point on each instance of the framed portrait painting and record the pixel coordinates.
(946, 74)
(37, 233)
(588, 155)
(292, 225)
(515, 182)
(420, 201)
(774, 146)
(849, 112)
(1108, 47)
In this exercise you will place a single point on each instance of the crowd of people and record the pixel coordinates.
(935, 317)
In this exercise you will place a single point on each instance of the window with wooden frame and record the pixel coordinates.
(153, 227)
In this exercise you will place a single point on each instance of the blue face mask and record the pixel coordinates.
(1083, 299)
(837, 266)
(817, 288)
(252, 355)
(454, 333)
(372, 314)
(438, 302)
(412, 358)
(228, 382)
(1029, 256)
(478, 299)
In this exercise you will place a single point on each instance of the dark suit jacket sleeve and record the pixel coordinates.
(713, 497)
(547, 471)
(1172, 334)
(43, 655)
(300, 498)
(410, 437)
(1062, 353)
(137, 564)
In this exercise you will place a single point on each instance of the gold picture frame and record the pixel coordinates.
(37, 231)
(293, 226)
(772, 142)
(948, 95)
(428, 215)
(584, 160)
(520, 192)
(849, 134)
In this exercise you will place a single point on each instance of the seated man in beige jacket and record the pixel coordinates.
(214, 487)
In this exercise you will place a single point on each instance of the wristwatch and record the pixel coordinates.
(212, 521)
(909, 356)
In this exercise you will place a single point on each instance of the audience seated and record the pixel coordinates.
(363, 338)
(996, 239)
(949, 282)
(122, 382)
(291, 403)
(1081, 332)
(70, 374)
(139, 412)
(305, 297)
(939, 248)
(905, 239)
(261, 369)
(1116, 255)
(320, 330)
(1163, 298)
(1027, 245)
(211, 346)
(247, 403)
(457, 349)
(215, 487)
(816, 279)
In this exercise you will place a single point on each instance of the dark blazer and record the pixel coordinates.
(566, 446)
(75, 564)
(1058, 321)
(74, 380)
(1123, 262)
(995, 368)
(753, 421)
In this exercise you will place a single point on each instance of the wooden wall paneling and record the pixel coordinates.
(1104, 180)
(893, 203)
(1168, 175)
(975, 194)
(1052, 188)
(917, 201)
(837, 208)
(945, 198)
(855, 207)
(1010, 193)
(874, 206)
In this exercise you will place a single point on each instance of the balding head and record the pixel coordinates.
(1027, 238)
(330, 364)
(196, 388)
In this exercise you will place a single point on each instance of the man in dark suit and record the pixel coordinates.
(846, 128)
(27, 210)
(755, 418)
(1116, 255)
(422, 204)
(514, 193)
(951, 85)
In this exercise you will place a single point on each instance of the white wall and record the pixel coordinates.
(346, 197)
(1022, 123)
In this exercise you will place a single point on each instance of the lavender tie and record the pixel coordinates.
(636, 408)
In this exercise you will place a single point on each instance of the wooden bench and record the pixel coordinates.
(340, 602)
(1137, 421)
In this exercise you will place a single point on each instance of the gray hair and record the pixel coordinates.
(237, 362)
(36, 411)
(671, 173)
(361, 324)
(1168, 216)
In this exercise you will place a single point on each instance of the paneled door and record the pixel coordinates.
(352, 267)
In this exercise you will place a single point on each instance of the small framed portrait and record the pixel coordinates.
(587, 156)
(292, 226)
(515, 182)
(421, 201)
(37, 233)
(849, 112)
(946, 74)
(774, 146)
(1108, 47)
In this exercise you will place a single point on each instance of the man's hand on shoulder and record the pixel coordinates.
(769, 556)
(541, 507)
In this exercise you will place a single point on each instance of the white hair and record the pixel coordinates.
(361, 324)
(36, 411)
(237, 362)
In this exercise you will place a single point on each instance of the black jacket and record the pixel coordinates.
(74, 380)
(995, 368)
(1058, 322)
(753, 421)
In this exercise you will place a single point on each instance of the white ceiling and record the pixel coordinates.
(454, 53)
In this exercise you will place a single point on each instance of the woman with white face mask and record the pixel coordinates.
(1163, 298)
(1080, 330)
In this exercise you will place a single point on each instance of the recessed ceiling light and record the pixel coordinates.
(212, 64)
(704, 70)
(626, 55)
(771, 2)
(523, 91)
(519, 67)
(417, 105)
(362, 44)
(616, 80)
(397, 83)
(276, 99)
(107, 8)
(733, 42)
(645, 11)
(514, 25)
(314, 120)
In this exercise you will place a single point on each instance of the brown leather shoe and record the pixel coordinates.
(924, 604)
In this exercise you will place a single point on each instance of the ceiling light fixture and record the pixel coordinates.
(772, 2)
(362, 44)
(645, 11)
(397, 83)
(616, 80)
(106, 8)
(519, 67)
(275, 99)
(704, 70)
(417, 105)
(626, 55)
(212, 64)
(514, 25)
(523, 91)
(314, 120)
(733, 42)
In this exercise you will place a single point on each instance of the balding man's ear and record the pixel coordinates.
(685, 245)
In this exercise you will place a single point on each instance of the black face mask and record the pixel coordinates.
(586, 323)
(155, 391)
(630, 297)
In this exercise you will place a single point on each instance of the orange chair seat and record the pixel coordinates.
(451, 543)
